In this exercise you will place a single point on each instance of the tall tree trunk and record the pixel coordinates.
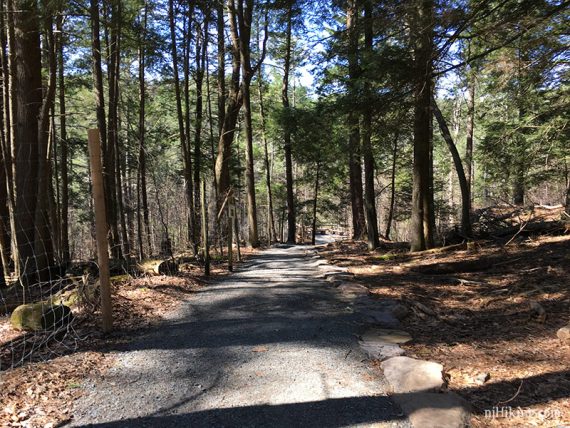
(6, 200)
(393, 185)
(245, 18)
(221, 65)
(4, 208)
(291, 209)
(519, 186)
(64, 145)
(463, 184)
(11, 117)
(210, 120)
(108, 163)
(43, 243)
(187, 160)
(423, 47)
(470, 98)
(353, 119)
(201, 52)
(234, 103)
(315, 199)
(567, 190)
(370, 194)
(253, 240)
(27, 103)
(187, 42)
(143, 193)
(114, 152)
(429, 213)
(4, 225)
(272, 236)
(54, 194)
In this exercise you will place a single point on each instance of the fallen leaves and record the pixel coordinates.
(41, 394)
(491, 329)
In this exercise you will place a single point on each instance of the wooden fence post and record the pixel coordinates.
(101, 229)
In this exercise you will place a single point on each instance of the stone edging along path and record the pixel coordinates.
(417, 386)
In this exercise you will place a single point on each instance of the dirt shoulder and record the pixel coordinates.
(489, 314)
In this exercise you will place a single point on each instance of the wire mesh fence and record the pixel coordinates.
(52, 299)
(44, 293)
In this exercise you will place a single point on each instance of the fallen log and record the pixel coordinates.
(538, 228)
(439, 250)
(549, 207)
(157, 267)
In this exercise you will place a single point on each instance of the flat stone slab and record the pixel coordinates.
(352, 288)
(381, 351)
(407, 374)
(385, 336)
(433, 410)
(564, 334)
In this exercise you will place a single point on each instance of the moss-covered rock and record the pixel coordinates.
(40, 316)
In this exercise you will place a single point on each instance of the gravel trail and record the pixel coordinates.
(271, 345)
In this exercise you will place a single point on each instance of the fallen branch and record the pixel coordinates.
(523, 225)
(468, 282)
(513, 397)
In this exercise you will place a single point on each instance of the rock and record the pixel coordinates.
(40, 316)
(410, 375)
(28, 317)
(386, 336)
(352, 288)
(381, 351)
(433, 410)
(381, 343)
(564, 334)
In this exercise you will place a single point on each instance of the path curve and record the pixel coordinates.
(271, 345)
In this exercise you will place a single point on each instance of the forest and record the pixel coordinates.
(398, 126)
(278, 102)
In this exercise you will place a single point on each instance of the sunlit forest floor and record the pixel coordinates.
(488, 312)
(41, 392)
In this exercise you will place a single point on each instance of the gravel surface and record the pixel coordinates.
(271, 345)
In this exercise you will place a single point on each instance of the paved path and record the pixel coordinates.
(271, 345)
